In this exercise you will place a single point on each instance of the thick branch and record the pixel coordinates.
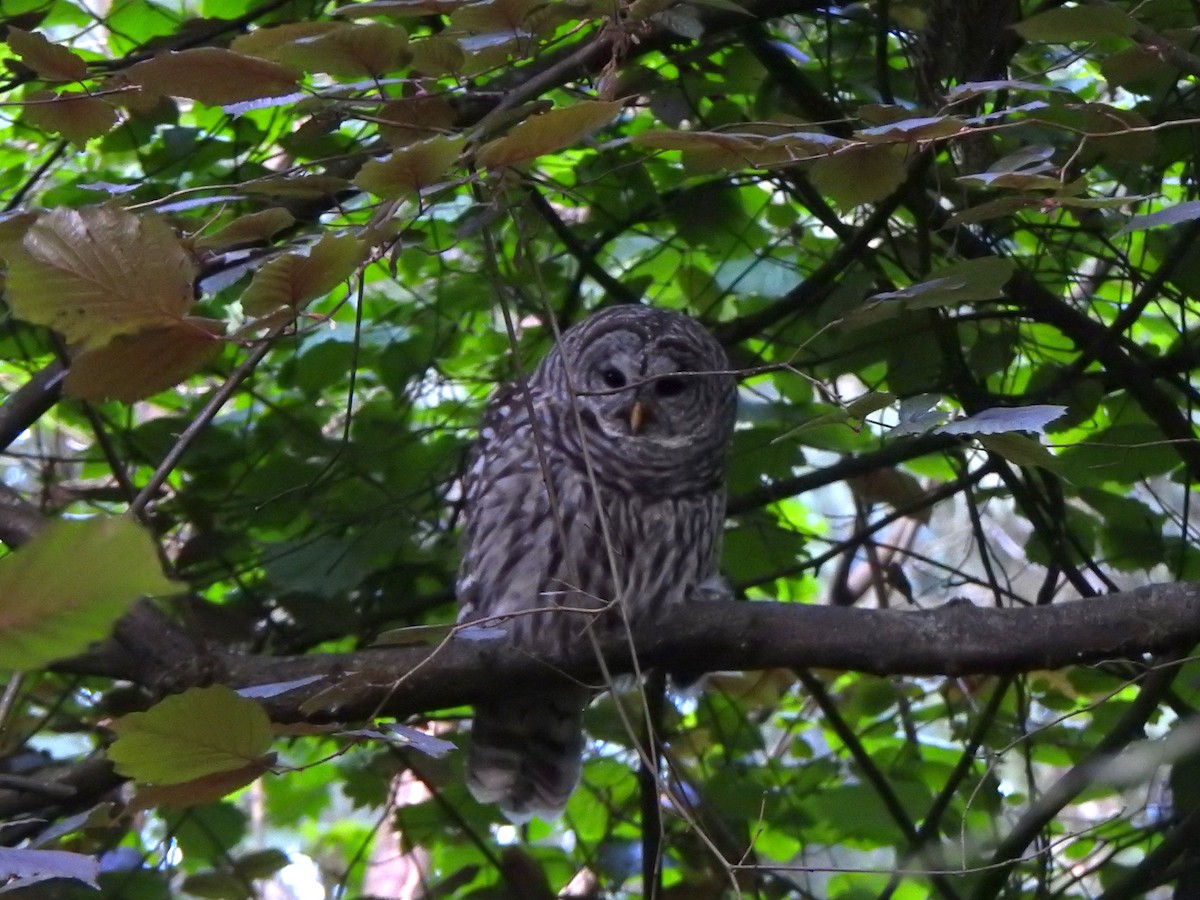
(956, 639)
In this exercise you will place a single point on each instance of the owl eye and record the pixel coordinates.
(613, 377)
(669, 386)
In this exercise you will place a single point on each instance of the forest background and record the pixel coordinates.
(264, 263)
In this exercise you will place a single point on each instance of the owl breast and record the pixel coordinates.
(555, 547)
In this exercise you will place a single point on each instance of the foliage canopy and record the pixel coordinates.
(264, 262)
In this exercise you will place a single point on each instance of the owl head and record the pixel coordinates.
(648, 388)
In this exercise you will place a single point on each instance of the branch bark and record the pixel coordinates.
(955, 639)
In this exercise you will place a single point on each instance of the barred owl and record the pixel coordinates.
(600, 485)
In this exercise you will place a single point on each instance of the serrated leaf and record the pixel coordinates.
(134, 366)
(352, 51)
(99, 272)
(76, 116)
(1090, 22)
(50, 61)
(293, 280)
(200, 732)
(409, 170)
(1172, 215)
(548, 132)
(249, 229)
(213, 76)
(50, 609)
(1002, 419)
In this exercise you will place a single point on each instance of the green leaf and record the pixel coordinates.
(1086, 22)
(203, 731)
(66, 587)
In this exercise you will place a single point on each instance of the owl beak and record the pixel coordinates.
(638, 416)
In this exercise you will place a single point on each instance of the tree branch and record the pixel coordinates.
(955, 639)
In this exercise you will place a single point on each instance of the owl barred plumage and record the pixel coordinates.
(603, 485)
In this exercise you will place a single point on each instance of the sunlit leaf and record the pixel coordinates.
(50, 609)
(198, 733)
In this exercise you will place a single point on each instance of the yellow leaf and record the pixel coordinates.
(95, 273)
(548, 132)
(66, 587)
(50, 61)
(213, 76)
(133, 366)
(192, 735)
(409, 170)
(293, 280)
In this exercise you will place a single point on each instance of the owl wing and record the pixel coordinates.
(526, 749)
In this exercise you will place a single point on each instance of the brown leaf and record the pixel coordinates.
(76, 116)
(404, 122)
(293, 280)
(254, 228)
(213, 76)
(350, 50)
(135, 366)
(198, 791)
(95, 273)
(409, 170)
(269, 43)
(51, 61)
(546, 133)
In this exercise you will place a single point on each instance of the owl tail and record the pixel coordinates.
(526, 752)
